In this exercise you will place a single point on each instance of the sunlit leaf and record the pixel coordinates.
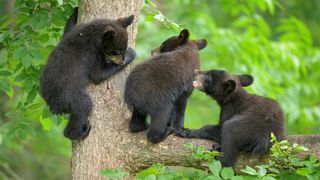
(249, 170)
(114, 173)
(227, 173)
(3, 56)
(215, 167)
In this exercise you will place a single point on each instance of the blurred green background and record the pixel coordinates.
(276, 41)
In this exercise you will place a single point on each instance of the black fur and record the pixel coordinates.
(85, 54)
(161, 85)
(246, 120)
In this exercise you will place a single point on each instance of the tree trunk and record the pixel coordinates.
(8, 8)
(110, 144)
(105, 146)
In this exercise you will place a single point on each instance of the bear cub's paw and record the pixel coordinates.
(181, 132)
(156, 136)
(138, 127)
(77, 130)
(224, 161)
(130, 55)
(216, 147)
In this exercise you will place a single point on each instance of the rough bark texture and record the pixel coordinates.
(106, 144)
(110, 144)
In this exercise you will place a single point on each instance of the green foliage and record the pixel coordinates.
(154, 14)
(286, 163)
(114, 173)
(279, 54)
(37, 29)
(26, 39)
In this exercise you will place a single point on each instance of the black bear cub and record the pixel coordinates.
(89, 52)
(161, 85)
(246, 120)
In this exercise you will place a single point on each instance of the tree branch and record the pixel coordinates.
(142, 154)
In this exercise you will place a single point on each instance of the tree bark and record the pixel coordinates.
(110, 144)
(8, 8)
(105, 145)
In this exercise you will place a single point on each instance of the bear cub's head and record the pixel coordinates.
(115, 39)
(175, 42)
(220, 84)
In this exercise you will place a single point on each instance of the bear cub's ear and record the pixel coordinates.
(109, 34)
(246, 80)
(228, 87)
(201, 43)
(126, 21)
(184, 36)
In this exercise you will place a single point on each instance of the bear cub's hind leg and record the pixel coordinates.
(78, 126)
(138, 122)
(177, 114)
(159, 129)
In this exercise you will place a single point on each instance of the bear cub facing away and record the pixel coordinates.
(246, 120)
(161, 85)
(89, 52)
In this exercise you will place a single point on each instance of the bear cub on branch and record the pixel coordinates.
(246, 120)
(88, 52)
(161, 85)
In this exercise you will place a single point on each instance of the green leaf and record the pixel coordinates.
(31, 95)
(5, 73)
(46, 123)
(35, 53)
(215, 167)
(28, 85)
(302, 171)
(24, 130)
(27, 60)
(270, 6)
(313, 159)
(3, 56)
(60, 2)
(5, 87)
(151, 177)
(212, 178)
(249, 171)
(23, 134)
(148, 171)
(302, 148)
(189, 146)
(114, 173)
(44, 37)
(262, 171)
(19, 52)
(21, 77)
(268, 178)
(238, 178)
(274, 170)
(227, 173)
